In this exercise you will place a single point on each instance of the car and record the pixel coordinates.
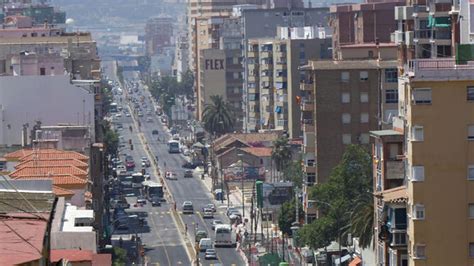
(189, 165)
(207, 213)
(188, 207)
(140, 114)
(230, 210)
(141, 200)
(149, 119)
(128, 115)
(188, 173)
(171, 176)
(200, 234)
(118, 115)
(154, 132)
(211, 206)
(205, 244)
(210, 254)
(214, 223)
(155, 201)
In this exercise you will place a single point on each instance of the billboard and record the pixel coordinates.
(250, 173)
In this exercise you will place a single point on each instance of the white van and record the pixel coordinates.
(205, 243)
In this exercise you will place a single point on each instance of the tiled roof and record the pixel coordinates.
(53, 162)
(61, 192)
(56, 155)
(248, 138)
(49, 170)
(22, 237)
(72, 255)
(57, 179)
(258, 151)
(16, 155)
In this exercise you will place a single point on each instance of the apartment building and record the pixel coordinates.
(274, 77)
(369, 22)
(158, 34)
(341, 102)
(181, 57)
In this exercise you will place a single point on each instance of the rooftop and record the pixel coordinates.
(28, 154)
(71, 255)
(258, 151)
(370, 45)
(58, 180)
(22, 238)
(47, 40)
(37, 192)
(387, 132)
(349, 64)
(62, 192)
(69, 220)
(48, 171)
(52, 162)
(439, 69)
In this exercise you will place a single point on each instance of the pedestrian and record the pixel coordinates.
(185, 228)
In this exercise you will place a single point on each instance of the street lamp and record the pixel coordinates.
(242, 186)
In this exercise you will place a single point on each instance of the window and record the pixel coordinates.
(310, 178)
(346, 118)
(346, 97)
(418, 173)
(364, 138)
(421, 96)
(42, 71)
(471, 210)
(419, 251)
(364, 75)
(346, 139)
(470, 172)
(470, 132)
(345, 76)
(364, 117)
(391, 96)
(371, 54)
(302, 55)
(391, 75)
(470, 93)
(364, 97)
(471, 250)
(418, 212)
(418, 134)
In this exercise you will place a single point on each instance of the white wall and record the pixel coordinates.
(50, 99)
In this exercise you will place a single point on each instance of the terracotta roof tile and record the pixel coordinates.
(53, 162)
(48, 170)
(258, 151)
(62, 192)
(14, 229)
(72, 255)
(57, 179)
(16, 155)
(56, 155)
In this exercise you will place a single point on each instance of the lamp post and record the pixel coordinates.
(242, 185)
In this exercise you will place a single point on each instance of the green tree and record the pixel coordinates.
(362, 220)
(119, 256)
(187, 83)
(294, 172)
(288, 214)
(338, 198)
(217, 116)
(281, 153)
(111, 140)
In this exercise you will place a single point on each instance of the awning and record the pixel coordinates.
(439, 22)
(278, 109)
(343, 259)
(355, 262)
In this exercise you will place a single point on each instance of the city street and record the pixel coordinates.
(165, 243)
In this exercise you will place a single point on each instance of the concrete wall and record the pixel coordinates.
(26, 99)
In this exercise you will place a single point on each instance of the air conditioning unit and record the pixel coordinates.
(399, 37)
(409, 37)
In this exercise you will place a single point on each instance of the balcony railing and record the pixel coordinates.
(422, 34)
(399, 237)
(439, 69)
(395, 170)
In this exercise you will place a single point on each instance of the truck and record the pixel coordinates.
(153, 190)
(173, 146)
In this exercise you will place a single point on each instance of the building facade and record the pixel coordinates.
(158, 34)
(340, 103)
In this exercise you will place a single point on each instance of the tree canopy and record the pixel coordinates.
(288, 214)
(217, 116)
(343, 201)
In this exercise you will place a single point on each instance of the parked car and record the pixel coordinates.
(154, 132)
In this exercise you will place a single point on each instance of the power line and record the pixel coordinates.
(21, 194)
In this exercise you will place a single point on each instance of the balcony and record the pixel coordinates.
(395, 169)
(309, 169)
(251, 54)
(399, 238)
(307, 105)
(306, 86)
(439, 69)
(265, 54)
(309, 148)
(442, 34)
(422, 34)
(307, 125)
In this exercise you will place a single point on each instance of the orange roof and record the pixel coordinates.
(53, 162)
(72, 255)
(14, 229)
(258, 151)
(355, 262)
(48, 170)
(16, 155)
(57, 179)
(55, 155)
(61, 192)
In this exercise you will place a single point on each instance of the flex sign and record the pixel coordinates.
(214, 64)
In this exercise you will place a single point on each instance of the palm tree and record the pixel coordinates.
(217, 116)
(362, 219)
(281, 153)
